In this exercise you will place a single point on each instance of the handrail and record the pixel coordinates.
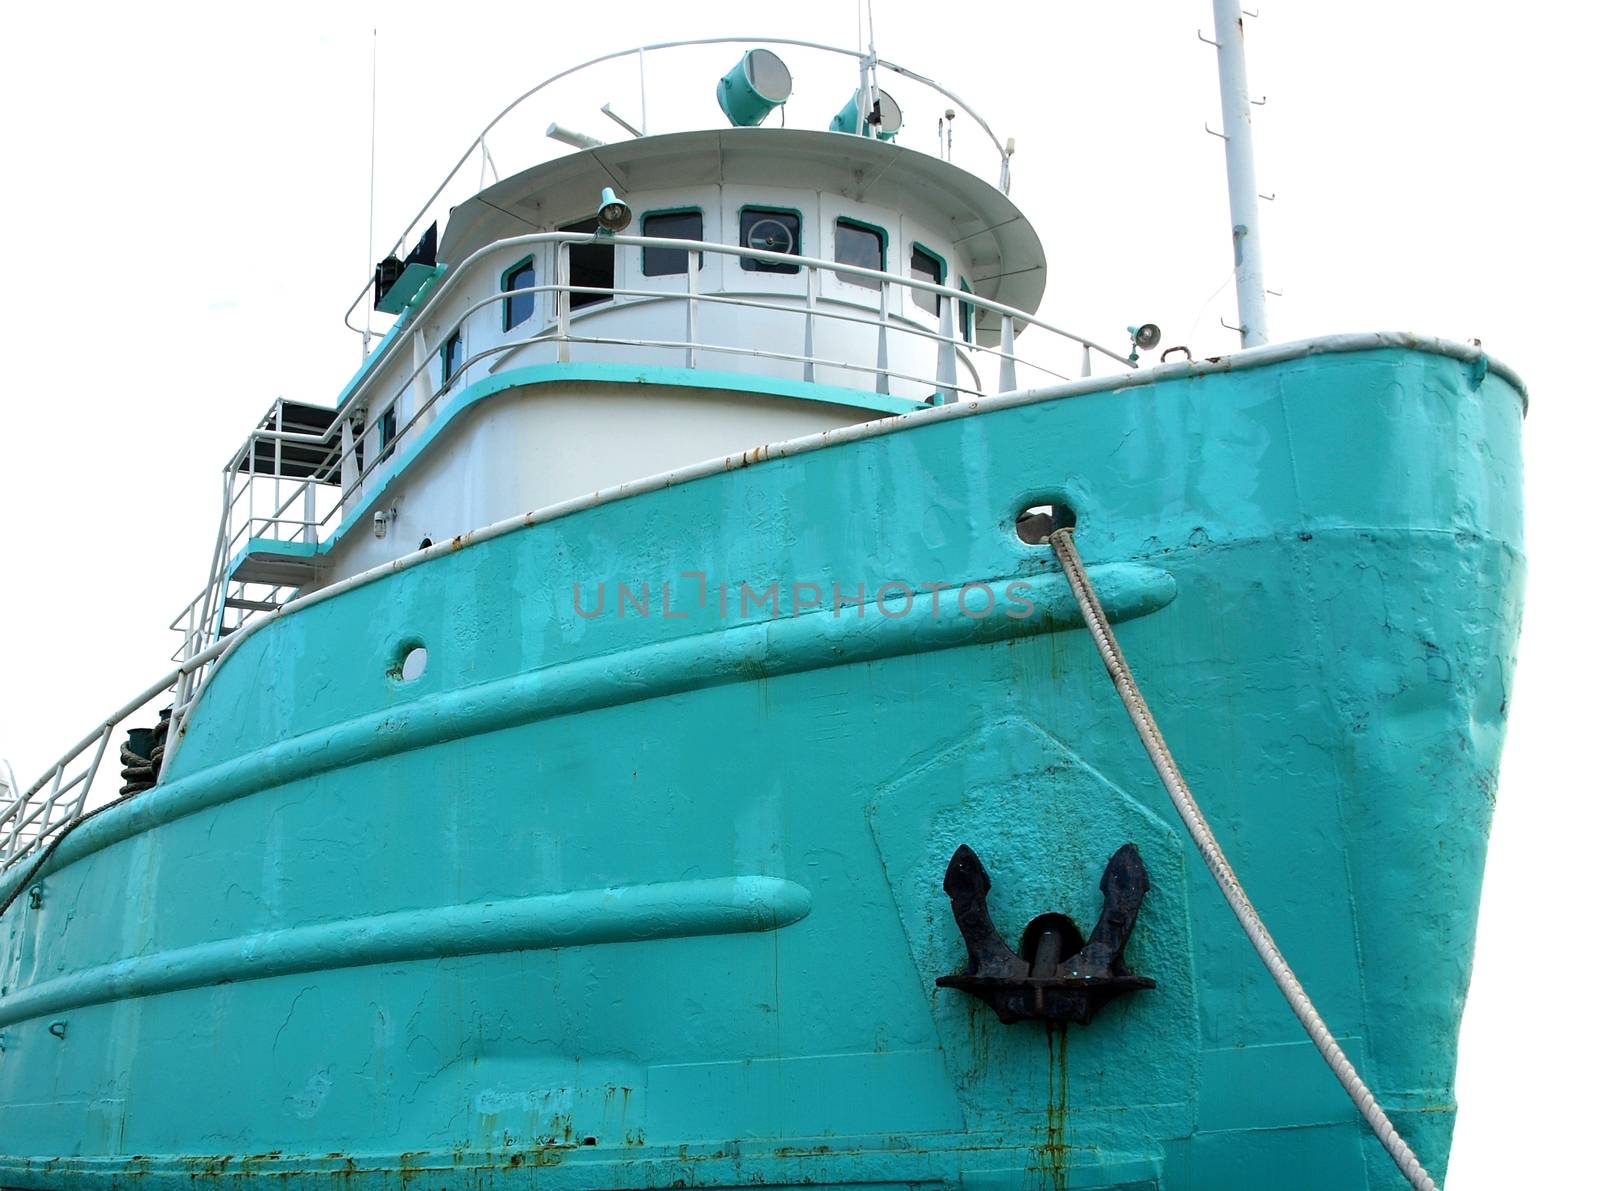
(353, 400)
(866, 60)
(345, 458)
(900, 327)
(14, 845)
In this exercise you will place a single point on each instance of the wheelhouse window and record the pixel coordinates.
(968, 310)
(863, 245)
(773, 230)
(388, 428)
(672, 225)
(593, 265)
(518, 308)
(451, 356)
(926, 266)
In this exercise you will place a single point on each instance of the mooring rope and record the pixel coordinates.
(49, 849)
(1200, 831)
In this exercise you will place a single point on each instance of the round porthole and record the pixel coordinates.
(411, 664)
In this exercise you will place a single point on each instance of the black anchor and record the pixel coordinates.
(1058, 977)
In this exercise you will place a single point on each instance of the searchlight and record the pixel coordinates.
(884, 127)
(758, 83)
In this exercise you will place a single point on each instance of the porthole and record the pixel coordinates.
(772, 229)
(411, 663)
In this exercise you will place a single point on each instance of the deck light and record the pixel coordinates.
(613, 214)
(1146, 336)
(758, 82)
(884, 126)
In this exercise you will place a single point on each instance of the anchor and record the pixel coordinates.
(1058, 977)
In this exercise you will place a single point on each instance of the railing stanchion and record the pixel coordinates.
(1087, 362)
(809, 369)
(191, 638)
(563, 302)
(691, 336)
(15, 845)
(1008, 354)
(945, 374)
(644, 110)
(219, 560)
(349, 473)
(277, 465)
(883, 337)
(94, 768)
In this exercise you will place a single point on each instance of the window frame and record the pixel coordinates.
(942, 279)
(388, 430)
(643, 251)
(577, 302)
(749, 264)
(526, 262)
(861, 225)
(967, 313)
(458, 339)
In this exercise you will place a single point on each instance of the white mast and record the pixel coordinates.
(1248, 278)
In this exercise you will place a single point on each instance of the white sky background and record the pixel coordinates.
(186, 219)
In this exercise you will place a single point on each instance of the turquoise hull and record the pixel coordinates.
(642, 899)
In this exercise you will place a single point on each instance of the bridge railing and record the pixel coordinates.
(367, 431)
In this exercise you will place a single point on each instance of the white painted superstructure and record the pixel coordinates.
(630, 309)
(528, 445)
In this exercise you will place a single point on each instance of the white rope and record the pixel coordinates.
(1200, 831)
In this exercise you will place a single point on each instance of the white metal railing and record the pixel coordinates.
(356, 445)
(39, 813)
(867, 63)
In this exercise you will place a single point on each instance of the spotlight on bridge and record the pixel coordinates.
(883, 121)
(758, 83)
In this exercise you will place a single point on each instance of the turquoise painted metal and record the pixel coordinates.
(848, 118)
(409, 287)
(644, 890)
(758, 82)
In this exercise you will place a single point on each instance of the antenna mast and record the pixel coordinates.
(372, 186)
(1247, 270)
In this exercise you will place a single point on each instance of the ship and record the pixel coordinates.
(683, 714)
